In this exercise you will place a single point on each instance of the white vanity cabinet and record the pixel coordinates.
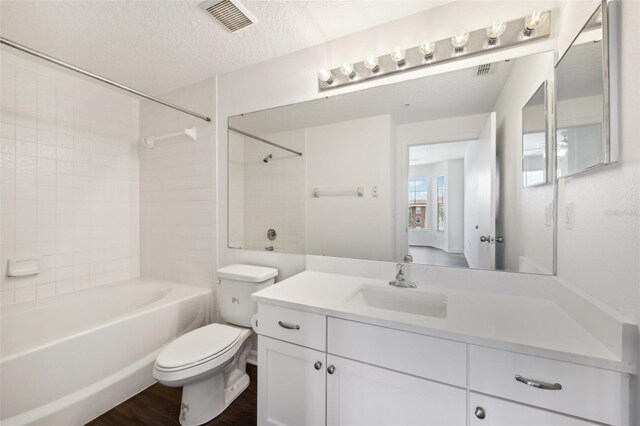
(491, 411)
(291, 384)
(316, 369)
(362, 394)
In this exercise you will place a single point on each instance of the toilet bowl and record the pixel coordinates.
(210, 362)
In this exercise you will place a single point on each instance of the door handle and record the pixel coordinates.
(499, 239)
(486, 239)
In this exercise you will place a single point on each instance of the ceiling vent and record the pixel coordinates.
(483, 69)
(231, 14)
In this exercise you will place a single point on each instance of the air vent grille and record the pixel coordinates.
(483, 69)
(230, 13)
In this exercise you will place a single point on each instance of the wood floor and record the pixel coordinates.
(159, 405)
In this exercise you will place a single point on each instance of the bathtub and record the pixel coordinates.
(69, 358)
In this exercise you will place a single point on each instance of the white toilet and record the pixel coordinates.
(210, 362)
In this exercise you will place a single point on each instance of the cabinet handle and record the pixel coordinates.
(480, 413)
(331, 369)
(317, 365)
(288, 326)
(538, 384)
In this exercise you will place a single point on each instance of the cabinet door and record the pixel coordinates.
(490, 411)
(361, 394)
(291, 386)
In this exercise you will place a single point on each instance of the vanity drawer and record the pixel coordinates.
(587, 392)
(299, 327)
(424, 356)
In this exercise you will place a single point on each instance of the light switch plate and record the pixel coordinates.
(569, 215)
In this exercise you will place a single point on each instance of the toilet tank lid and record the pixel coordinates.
(248, 273)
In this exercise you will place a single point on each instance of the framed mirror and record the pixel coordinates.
(586, 103)
(535, 153)
(430, 167)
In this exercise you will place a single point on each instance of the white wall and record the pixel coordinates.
(521, 214)
(69, 193)
(177, 196)
(340, 157)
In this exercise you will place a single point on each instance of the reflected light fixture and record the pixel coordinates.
(426, 49)
(347, 70)
(325, 76)
(398, 56)
(459, 40)
(494, 31)
(533, 21)
(371, 63)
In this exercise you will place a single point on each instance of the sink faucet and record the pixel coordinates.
(402, 280)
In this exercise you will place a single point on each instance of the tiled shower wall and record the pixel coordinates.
(69, 181)
(177, 197)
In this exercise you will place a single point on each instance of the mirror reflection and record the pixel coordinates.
(534, 139)
(580, 102)
(416, 167)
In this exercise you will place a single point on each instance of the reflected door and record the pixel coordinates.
(486, 195)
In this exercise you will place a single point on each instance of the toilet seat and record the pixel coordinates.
(197, 347)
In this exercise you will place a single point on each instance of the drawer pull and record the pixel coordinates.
(288, 326)
(538, 384)
(317, 365)
(480, 413)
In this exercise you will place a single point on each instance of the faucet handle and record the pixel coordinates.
(408, 258)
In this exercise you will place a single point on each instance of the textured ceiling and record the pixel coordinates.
(157, 46)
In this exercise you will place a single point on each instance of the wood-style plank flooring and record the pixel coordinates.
(159, 405)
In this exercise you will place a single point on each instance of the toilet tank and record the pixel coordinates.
(236, 285)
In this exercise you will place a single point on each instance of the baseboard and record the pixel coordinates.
(252, 358)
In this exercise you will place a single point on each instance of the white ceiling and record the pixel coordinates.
(157, 46)
(452, 94)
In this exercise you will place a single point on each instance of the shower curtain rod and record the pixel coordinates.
(233, 129)
(41, 55)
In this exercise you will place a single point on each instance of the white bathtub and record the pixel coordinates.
(67, 359)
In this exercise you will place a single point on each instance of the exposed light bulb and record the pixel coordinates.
(397, 55)
(325, 76)
(347, 70)
(533, 21)
(371, 63)
(459, 40)
(495, 30)
(426, 49)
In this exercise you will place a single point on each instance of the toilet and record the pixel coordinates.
(210, 362)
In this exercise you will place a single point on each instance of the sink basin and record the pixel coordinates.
(401, 300)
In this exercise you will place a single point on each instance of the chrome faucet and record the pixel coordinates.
(402, 280)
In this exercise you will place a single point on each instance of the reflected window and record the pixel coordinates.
(441, 189)
(418, 193)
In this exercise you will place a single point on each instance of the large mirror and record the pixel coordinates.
(431, 167)
(583, 100)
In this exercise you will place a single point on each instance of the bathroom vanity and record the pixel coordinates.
(339, 349)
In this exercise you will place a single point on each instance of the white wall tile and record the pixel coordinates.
(177, 198)
(65, 144)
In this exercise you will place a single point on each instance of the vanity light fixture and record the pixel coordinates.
(499, 34)
(371, 63)
(533, 21)
(325, 76)
(426, 50)
(348, 71)
(459, 40)
(398, 56)
(494, 31)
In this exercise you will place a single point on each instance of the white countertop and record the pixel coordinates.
(528, 325)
